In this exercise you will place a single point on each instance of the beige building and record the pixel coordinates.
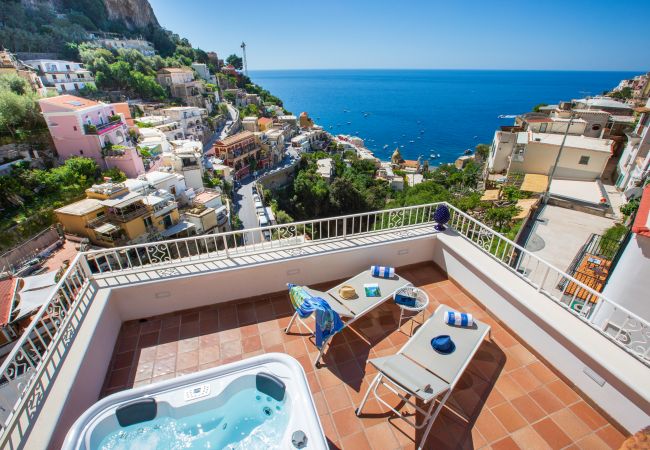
(582, 158)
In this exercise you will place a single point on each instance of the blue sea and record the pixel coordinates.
(440, 111)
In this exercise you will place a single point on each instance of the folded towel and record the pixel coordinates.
(405, 300)
(382, 272)
(371, 290)
(459, 319)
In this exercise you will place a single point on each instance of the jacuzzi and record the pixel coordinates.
(262, 402)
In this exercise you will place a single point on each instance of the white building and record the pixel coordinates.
(141, 45)
(634, 164)
(627, 284)
(186, 158)
(203, 72)
(155, 180)
(582, 158)
(64, 76)
(249, 123)
(325, 169)
(190, 119)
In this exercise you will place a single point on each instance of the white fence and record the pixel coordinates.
(34, 362)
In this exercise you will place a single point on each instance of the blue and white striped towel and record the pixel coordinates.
(382, 272)
(459, 319)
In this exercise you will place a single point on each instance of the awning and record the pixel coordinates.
(38, 281)
(534, 183)
(123, 200)
(178, 228)
(490, 195)
(106, 228)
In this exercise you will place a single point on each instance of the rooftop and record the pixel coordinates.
(235, 138)
(69, 102)
(642, 221)
(511, 397)
(583, 142)
(82, 207)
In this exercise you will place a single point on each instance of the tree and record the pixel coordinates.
(538, 106)
(311, 194)
(236, 61)
(115, 174)
(345, 197)
(483, 151)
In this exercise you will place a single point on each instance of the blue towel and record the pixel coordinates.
(328, 321)
(405, 300)
(382, 272)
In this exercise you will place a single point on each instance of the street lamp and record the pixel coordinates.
(547, 193)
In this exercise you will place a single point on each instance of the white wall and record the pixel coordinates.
(628, 283)
(567, 343)
(502, 145)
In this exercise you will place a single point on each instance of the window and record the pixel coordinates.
(542, 127)
(54, 77)
(584, 160)
(81, 152)
(74, 127)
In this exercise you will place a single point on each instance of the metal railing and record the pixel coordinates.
(28, 371)
(627, 329)
(37, 357)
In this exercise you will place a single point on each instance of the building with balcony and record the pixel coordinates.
(82, 127)
(583, 158)
(548, 376)
(9, 64)
(634, 164)
(237, 151)
(112, 215)
(186, 158)
(190, 120)
(204, 72)
(63, 76)
(181, 84)
(141, 45)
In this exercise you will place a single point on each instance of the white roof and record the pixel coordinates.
(603, 102)
(82, 207)
(35, 292)
(122, 200)
(157, 176)
(582, 142)
(180, 226)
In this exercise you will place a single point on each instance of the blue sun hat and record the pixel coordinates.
(443, 344)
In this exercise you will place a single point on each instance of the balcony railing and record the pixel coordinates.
(128, 215)
(103, 128)
(39, 354)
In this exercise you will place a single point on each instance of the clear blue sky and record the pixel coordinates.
(475, 34)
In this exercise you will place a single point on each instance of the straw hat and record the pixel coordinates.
(347, 292)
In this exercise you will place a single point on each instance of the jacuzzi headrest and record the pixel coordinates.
(136, 412)
(270, 385)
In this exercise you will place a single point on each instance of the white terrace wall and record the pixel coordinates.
(617, 382)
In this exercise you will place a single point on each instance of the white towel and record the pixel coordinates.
(459, 319)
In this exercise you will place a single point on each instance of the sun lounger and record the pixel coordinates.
(350, 310)
(419, 371)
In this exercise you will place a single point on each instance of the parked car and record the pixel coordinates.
(258, 204)
(266, 234)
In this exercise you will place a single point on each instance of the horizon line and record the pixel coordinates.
(641, 71)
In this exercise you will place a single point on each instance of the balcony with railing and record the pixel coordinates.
(550, 375)
(127, 213)
(99, 129)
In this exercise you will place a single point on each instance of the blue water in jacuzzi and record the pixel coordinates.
(248, 420)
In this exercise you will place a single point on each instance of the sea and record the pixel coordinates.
(425, 112)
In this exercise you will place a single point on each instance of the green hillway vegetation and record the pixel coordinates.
(354, 189)
(28, 197)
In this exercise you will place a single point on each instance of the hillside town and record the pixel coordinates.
(118, 147)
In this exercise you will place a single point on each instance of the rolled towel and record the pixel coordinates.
(405, 300)
(382, 272)
(459, 319)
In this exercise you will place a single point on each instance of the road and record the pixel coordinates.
(243, 198)
(226, 130)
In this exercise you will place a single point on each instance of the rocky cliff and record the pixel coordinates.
(133, 13)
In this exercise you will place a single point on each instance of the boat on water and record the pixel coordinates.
(386, 146)
(432, 156)
(438, 155)
(412, 141)
(421, 131)
(507, 116)
(349, 123)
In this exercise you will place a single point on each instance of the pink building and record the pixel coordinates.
(82, 127)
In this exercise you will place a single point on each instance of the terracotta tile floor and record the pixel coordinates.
(512, 399)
